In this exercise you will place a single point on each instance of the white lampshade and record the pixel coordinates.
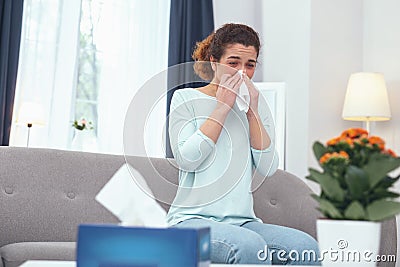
(366, 98)
(31, 113)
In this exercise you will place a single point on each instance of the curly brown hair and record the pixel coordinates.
(216, 43)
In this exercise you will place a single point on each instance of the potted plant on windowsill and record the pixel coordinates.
(83, 139)
(355, 196)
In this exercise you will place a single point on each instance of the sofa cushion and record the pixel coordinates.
(17, 253)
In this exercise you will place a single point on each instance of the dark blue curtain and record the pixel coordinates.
(190, 21)
(10, 36)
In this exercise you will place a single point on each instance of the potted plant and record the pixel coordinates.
(83, 138)
(82, 124)
(355, 196)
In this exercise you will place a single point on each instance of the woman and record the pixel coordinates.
(216, 144)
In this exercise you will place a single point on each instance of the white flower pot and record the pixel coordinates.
(348, 243)
(84, 140)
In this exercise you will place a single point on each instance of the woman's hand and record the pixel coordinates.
(254, 95)
(228, 90)
(259, 138)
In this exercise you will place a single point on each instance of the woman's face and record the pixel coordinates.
(236, 57)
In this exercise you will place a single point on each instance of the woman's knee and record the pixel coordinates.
(304, 242)
(304, 250)
(231, 244)
(244, 251)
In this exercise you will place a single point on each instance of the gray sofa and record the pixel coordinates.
(45, 194)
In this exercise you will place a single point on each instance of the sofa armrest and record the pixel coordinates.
(284, 199)
(18, 253)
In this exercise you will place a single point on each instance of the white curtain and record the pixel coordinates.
(134, 43)
(132, 38)
(46, 70)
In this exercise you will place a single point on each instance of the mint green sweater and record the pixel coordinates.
(215, 178)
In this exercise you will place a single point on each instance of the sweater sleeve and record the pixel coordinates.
(190, 146)
(266, 161)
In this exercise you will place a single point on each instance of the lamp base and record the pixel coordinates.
(29, 132)
(369, 126)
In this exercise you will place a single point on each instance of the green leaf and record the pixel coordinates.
(357, 181)
(329, 210)
(378, 167)
(319, 150)
(311, 178)
(382, 209)
(387, 182)
(382, 193)
(355, 211)
(316, 197)
(329, 185)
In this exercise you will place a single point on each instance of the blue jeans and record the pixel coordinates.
(257, 243)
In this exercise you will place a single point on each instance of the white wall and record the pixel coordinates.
(381, 53)
(335, 53)
(286, 26)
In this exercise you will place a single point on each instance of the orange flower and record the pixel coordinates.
(390, 152)
(325, 158)
(354, 133)
(361, 139)
(376, 140)
(349, 141)
(328, 156)
(333, 141)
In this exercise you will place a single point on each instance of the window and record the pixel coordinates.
(88, 62)
(46, 70)
(87, 59)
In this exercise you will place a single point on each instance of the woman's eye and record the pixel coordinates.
(251, 66)
(232, 63)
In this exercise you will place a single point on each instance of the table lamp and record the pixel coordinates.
(30, 113)
(366, 98)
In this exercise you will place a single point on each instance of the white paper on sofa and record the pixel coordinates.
(129, 198)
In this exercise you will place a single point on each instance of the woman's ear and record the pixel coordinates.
(213, 63)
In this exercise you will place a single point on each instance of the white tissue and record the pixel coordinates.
(243, 99)
(129, 198)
